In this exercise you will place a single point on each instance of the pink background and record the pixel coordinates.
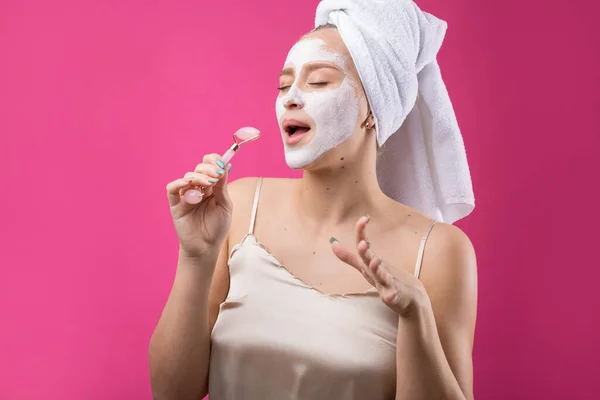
(103, 103)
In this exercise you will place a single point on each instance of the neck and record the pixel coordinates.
(342, 192)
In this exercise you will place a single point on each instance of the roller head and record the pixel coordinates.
(193, 196)
(247, 133)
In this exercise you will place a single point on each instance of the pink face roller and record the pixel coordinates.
(243, 135)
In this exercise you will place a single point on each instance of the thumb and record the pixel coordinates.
(220, 189)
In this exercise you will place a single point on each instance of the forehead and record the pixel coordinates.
(322, 45)
(332, 39)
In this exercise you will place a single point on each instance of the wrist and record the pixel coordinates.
(419, 307)
(200, 254)
(197, 267)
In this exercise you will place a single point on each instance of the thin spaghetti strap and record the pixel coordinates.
(422, 249)
(255, 205)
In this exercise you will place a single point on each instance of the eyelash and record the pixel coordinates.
(313, 84)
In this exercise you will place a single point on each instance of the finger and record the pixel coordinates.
(368, 278)
(212, 170)
(361, 229)
(220, 188)
(351, 259)
(212, 159)
(195, 178)
(363, 245)
(393, 297)
(380, 273)
(364, 251)
(173, 190)
(213, 163)
(200, 182)
(365, 256)
(361, 237)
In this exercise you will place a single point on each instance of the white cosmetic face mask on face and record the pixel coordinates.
(334, 111)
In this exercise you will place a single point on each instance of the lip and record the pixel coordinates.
(293, 122)
(296, 137)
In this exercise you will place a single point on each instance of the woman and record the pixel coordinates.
(321, 287)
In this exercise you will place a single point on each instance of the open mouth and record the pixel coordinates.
(292, 127)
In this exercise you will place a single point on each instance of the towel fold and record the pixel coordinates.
(394, 46)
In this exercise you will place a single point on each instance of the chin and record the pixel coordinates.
(306, 163)
(297, 162)
(299, 156)
(308, 156)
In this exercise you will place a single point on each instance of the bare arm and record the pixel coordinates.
(435, 340)
(179, 350)
(437, 313)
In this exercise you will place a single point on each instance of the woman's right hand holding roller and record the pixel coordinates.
(203, 227)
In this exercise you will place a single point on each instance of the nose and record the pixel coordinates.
(293, 104)
(294, 100)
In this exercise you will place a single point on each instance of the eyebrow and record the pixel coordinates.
(311, 67)
(286, 71)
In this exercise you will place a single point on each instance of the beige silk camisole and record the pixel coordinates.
(278, 338)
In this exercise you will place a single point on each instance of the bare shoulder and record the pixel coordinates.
(243, 189)
(449, 251)
(274, 190)
(449, 270)
(242, 192)
(449, 266)
(449, 276)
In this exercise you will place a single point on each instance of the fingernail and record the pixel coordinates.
(220, 171)
(368, 218)
(229, 167)
(220, 163)
(368, 244)
(213, 180)
(332, 239)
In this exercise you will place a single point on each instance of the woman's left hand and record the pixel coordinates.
(398, 289)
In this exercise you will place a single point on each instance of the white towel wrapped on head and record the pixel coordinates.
(394, 46)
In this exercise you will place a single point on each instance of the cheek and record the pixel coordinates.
(362, 104)
(318, 106)
(334, 106)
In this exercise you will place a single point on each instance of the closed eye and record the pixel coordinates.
(282, 88)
